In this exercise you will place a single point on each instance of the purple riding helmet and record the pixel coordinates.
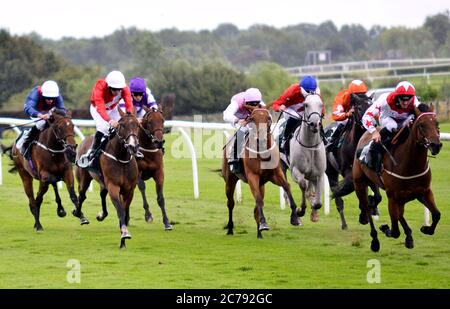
(137, 84)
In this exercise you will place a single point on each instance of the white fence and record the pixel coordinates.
(181, 126)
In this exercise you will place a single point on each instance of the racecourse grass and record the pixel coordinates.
(199, 254)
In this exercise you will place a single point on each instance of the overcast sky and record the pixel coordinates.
(87, 18)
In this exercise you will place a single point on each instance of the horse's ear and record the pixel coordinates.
(431, 109)
(146, 108)
(121, 112)
(417, 111)
(69, 113)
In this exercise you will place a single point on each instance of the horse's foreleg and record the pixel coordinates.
(374, 200)
(333, 177)
(43, 188)
(316, 199)
(147, 214)
(159, 185)
(428, 201)
(361, 193)
(84, 180)
(114, 193)
(230, 185)
(60, 210)
(261, 225)
(409, 242)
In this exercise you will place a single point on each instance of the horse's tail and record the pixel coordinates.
(8, 150)
(345, 188)
(219, 171)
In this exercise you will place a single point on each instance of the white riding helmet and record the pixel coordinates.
(115, 79)
(50, 89)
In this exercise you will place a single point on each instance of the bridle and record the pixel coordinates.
(424, 141)
(159, 144)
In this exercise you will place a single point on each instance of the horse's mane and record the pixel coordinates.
(59, 111)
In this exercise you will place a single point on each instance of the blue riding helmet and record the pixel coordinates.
(308, 83)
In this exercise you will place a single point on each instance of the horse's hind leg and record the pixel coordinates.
(147, 214)
(428, 201)
(60, 210)
(394, 213)
(27, 181)
(230, 185)
(159, 185)
(333, 177)
(374, 200)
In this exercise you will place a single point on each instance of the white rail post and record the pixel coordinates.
(238, 184)
(1, 167)
(193, 159)
(326, 195)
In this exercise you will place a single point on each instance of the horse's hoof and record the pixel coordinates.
(148, 218)
(168, 227)
(84, 221)
(386, 230)
(230, 232)
(39, 228)
(61, 213)
(300, 213)
(295, 221)
(314, 216)
(344, 227)
(409, 243)
(126, 235)
(363, 219)
(375, 245)
(427, 230)
(75, 213)
(101, 216)
(263, 227)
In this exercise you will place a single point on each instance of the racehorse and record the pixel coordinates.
(52, 156)
(340, 161)
(307, 155)
(261, 162)
(151, 141)
(405, 176)
(117, 175)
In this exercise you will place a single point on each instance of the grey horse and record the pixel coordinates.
(307, 155)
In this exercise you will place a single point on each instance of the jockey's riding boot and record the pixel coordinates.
(334, 138)
(29, 138)
(96, 145)
(375, 157)
(386, 137)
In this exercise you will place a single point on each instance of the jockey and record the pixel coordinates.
(38, 104)
(291, 101)
(141, 95)
(342, 109)
(105, 98)
(237, 113)
(395, 110)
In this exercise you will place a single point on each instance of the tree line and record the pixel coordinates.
(205, 68)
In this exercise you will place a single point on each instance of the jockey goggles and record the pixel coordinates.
(405, 98)
(138, 94)
(252, 103)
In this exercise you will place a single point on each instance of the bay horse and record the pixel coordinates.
(117, 175)
(52, 156)
(340, 161)
(261, 160)
(151, 142)
(307, 155)
(405, 176)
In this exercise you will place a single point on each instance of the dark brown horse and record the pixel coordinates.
(151, 142)
(405, 176)
(261, 161)
(118, 172)
(52, 156)
(340, 160)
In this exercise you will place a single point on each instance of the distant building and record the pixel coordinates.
(315, 57)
